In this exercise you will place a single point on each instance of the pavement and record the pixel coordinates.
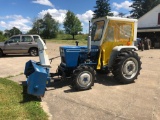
(107, 100)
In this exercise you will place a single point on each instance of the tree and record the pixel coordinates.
(50, 27)
(37, 25)
(149, 4)
(46, 27)
(15, 31)
(2, 37)
(120, 14)
(1, 33)
(141, 7)
(137, 9)
(102, 9)
(6, 33)
(72, 24)
(11, 32)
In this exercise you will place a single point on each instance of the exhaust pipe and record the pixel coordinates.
(89, 40)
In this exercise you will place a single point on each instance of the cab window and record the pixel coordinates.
(119, 31)
(97, 30)
(125, 31)
(110, 33)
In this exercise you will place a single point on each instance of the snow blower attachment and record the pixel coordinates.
(37, 78)
(37, 73)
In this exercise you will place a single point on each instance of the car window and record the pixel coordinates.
(35, 38)
(26, 39)
(14, 39)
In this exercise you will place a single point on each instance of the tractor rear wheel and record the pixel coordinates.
(83, 78)
(127, 67)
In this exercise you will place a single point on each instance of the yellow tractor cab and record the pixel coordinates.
(113, 33)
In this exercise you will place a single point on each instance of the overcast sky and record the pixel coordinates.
(21, 13)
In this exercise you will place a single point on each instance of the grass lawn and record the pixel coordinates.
(67, 39)
(69, 42)
(16, 104)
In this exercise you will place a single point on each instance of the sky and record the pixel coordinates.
(22, 13)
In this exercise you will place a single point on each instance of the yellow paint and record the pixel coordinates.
(118, 33)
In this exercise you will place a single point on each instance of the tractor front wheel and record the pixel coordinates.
(127, 67)
(83, 78)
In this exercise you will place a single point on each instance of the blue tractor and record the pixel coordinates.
(110, 48)
(78, 64)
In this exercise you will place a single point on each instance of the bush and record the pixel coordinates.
(2, 38)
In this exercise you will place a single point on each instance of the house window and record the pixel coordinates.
(159, 19)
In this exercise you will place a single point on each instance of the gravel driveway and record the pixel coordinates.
(107, 100)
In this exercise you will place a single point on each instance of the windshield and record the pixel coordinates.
(97, 30)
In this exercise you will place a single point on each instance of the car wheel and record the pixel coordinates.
(33, 52)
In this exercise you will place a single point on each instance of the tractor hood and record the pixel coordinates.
(70, 55)
(78, 48)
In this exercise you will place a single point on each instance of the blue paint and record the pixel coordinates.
(37, 77)
(72, 56)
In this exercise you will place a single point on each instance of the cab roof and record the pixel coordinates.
(115, 18)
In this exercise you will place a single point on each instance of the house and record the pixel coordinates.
(149, 26)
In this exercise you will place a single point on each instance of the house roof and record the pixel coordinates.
(149, 29)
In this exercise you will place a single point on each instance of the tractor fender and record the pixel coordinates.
(120, 48)
(116, 50)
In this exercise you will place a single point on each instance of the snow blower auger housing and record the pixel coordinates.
(110, 47)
